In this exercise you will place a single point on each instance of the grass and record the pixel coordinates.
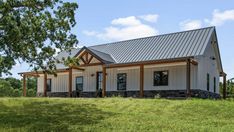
(115, 114)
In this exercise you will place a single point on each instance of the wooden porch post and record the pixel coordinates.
(188, 78)
(224, 86)
(24, 85)
(45, 84)
(141, 80)
(70, 83)
(104, 81)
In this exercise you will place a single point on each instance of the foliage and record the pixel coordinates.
(31, 93)
(11, 87)
(15, 83)
(230, 87)
(5, 88)
(115, 114)
(30, 30)
(16, 93)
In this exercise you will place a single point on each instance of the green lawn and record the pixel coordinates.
(115, 114)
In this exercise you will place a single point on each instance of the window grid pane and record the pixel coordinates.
(121, 81)
(160, 78)
(79, 83)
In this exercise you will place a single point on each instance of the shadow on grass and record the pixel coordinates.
(47, 116)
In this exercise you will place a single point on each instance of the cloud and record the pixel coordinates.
(123, 29)
(150, 17)
(219, 18)
(190, 24)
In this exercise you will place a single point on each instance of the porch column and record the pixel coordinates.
(104, 81)
(45, 84)
(24, 85)
(70, 83)
(141, 80)
(188, 78)
(224, 86)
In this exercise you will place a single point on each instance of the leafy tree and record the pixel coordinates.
(5, 88)
(15, 83)
(30, 30)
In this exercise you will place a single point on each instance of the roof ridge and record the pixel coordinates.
(152, 36)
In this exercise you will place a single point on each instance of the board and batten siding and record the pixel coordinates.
(176, 71)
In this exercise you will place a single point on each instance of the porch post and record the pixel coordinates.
(141, 80)
(104, 81)
(188, 78)
(45, 84)
(70, 83)
(224, 86)
(24, 85)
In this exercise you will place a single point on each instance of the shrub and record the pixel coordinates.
(16, 93)
(31, 93)
(5, 88)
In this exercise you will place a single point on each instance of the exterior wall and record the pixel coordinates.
(207, 65)
(177, 78)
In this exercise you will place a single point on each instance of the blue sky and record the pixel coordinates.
(105, 21)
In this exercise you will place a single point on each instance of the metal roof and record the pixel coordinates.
(167, 46)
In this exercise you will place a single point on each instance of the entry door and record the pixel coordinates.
(99, 84)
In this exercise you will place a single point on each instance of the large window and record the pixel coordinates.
(160, 78)
(208, 81)
(48, 85)
(214, 84)
(79, 83)
(121, 81)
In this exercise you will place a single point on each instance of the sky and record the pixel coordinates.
(106, 21)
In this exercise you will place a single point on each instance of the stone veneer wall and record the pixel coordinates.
(148, 94)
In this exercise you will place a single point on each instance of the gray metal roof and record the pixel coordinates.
(167, 46)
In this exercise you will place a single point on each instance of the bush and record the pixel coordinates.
(5, 88)
(16, 93)
(31, 93)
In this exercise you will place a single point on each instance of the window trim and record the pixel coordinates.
(208, 82)
(214, 84)
(125, 82)
(82, 82)
(167, 78)
(50, 85)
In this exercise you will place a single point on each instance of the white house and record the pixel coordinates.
(178, 64)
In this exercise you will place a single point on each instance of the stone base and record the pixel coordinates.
(148, 94)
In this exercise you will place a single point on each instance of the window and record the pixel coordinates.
(208, 81)
(214, 84)
(99, 81)
(79, 83)
(48, 85)
(160, 78)
(121, 81)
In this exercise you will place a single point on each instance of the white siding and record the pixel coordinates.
(177, 78)
(133, 78)
(207, 65)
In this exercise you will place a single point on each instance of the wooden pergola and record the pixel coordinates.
(38, 73)
(224, 75)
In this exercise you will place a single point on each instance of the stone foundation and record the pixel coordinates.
(148, 94)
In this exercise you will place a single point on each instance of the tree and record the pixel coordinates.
(30, 30)
(15, 83)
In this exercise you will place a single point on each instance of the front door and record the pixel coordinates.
(99, 84)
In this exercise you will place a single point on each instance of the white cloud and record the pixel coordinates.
(219, 18)
(150, 17)
(123, 29)
(126, 21)
(190, 24)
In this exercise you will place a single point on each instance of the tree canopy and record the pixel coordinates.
(31, 30)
